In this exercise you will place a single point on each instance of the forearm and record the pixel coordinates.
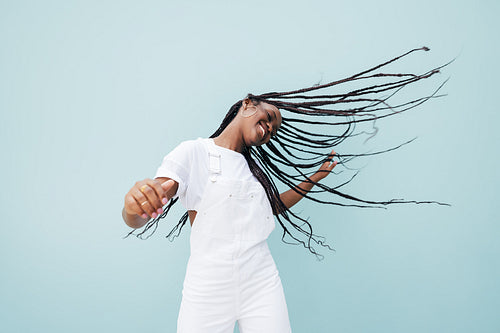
(133, 220)
(292, 196)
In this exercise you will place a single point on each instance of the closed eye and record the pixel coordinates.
(269, 118)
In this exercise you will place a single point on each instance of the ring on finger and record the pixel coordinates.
(145, 202)
(143, 188)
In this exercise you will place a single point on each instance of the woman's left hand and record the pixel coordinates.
(292, 196)
(325, 169)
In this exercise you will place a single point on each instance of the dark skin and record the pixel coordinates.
(254, 125)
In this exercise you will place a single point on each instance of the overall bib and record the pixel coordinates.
(231, 275)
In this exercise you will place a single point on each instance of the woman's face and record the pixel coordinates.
(259, 122)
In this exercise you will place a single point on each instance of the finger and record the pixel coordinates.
(330, 160)
(144, 203)
(328, 163)
(131, 206)
(331, 155)
(150, 194)
(168, 185)
(160, 192)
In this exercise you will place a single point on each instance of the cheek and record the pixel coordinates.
(249, 112)
(249, 132)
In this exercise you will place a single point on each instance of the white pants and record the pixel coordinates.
(250, 292)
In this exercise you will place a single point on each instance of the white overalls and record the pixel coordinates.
(231, 275)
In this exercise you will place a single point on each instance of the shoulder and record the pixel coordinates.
(189, 153)
(190, 146)
(183, 160)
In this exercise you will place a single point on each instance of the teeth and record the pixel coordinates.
(263, 130)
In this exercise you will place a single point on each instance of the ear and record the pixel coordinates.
(246, 103)
(248, 109)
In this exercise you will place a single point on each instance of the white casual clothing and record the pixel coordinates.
(188, 165)
(231, 275)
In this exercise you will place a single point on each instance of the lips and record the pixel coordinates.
(262, 130)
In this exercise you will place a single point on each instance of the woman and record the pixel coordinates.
(231, 274)
(226, 184)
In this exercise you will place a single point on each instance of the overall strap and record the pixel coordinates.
(214, 168)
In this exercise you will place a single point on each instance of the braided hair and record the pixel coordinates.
(315, 123)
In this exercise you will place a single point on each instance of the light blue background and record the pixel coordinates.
(93, 94)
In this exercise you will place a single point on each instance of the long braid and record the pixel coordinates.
(299, 147)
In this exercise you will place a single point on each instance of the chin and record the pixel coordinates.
(253, 139)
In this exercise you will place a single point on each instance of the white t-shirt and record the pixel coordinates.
(188, 164)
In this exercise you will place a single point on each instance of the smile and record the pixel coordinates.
(262, 130)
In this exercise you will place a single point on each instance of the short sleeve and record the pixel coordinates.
(175, 165)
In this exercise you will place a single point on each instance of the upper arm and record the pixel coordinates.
(176, 166)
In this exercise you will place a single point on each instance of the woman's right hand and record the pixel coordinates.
(148, 196)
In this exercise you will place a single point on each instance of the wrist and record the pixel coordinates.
(315, 178)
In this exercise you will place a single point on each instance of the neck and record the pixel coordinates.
(230, 138)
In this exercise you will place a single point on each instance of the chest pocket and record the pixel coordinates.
(231, 210)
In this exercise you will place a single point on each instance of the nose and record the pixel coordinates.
(269, 127)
